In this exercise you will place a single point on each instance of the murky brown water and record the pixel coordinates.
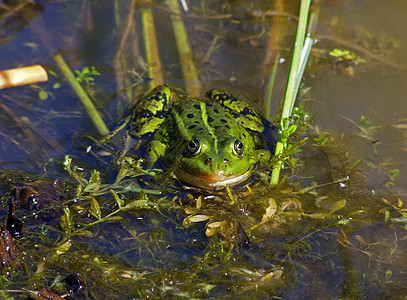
(377, 89)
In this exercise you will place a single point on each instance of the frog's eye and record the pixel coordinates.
(238, 147)
(193, 147)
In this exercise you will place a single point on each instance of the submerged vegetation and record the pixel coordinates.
(83, 218)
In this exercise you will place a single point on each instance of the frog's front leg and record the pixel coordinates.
(150, 112)
(244, 114)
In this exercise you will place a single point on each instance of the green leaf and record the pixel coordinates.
(388, 275)
(95, 182)
(67, 162)
(136, 204)
(188, 221)
(95, 209)
(291, 129)
(43, 94)
(365, 120)
(79, 190)
(320, 140)
(63, 247)
(116, 198)
(393, 174)
(386, 215)
(66, 222)
(318, 215)
(86, 74)
(337, 205)
(122, 173)
(339, 52)
(53, 73)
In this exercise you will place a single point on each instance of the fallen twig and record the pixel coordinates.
(22, 76)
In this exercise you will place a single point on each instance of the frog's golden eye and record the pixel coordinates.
(238, 147)
(193, 147)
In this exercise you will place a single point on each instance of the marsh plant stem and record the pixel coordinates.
(291, 88)
(184, 50)
(154, 69)
(83, 97)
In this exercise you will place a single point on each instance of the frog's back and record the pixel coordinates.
(205, 117)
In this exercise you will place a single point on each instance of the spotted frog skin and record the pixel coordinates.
(209, 142)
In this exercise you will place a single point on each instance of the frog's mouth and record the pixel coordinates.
(212, 181)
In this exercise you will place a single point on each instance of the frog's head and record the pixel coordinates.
(217, 163)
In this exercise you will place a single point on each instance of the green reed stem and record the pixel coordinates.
(83, 97)
(184, 49)
(154, 69)
(291, 88)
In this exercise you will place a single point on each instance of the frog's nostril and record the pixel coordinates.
(208, 161)
(226, 161)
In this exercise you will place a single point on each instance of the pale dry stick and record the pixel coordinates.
(22, 76)
(117, 59)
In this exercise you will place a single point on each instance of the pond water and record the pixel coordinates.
(344, 238)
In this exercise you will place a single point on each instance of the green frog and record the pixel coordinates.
(209, 142)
